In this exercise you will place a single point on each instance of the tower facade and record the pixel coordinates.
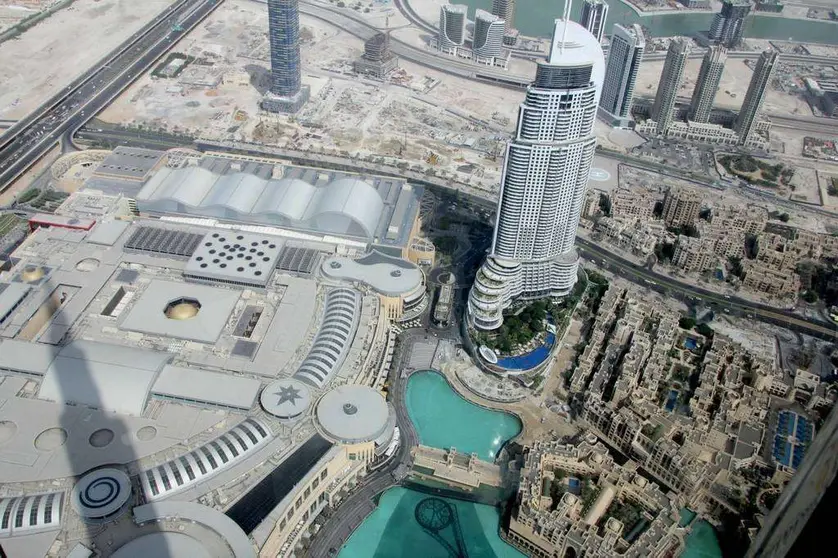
(452, 27)
(594, 13)
(624, 57)
(673, 74)
(504, 9)
(729, 24)
(746, 120)
(709, 76)
(286, 93)
(488, 34)
(545, 176)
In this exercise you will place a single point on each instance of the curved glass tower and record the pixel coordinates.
(545, 175)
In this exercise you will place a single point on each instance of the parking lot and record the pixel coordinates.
(686, 157)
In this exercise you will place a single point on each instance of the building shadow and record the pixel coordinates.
(260, 77)
(97, 445)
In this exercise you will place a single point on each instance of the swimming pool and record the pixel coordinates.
(531, 359)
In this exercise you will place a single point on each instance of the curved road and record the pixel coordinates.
(351, 512)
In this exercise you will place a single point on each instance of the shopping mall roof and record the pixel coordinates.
(352, 414)
(235, 257)
(369, 208)
(203, 386)
(388, 275)
(149, 314)
(62, 221)
(102, 376)
(108, 232)
(341, 315)
(286, 398)
(344, 207)
(128, 163)
(25, 357)
(10, 296)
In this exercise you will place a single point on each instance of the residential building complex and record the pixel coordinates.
(487, 40)
(594, 14)
(286, 94)
(729, 24)
(707, 84)
(452, 27)
(746, 121)
(681, 207)
(544, 179)
(505, 9)
(624, 57)
(553, 517)
(670, 82)
(488, 35)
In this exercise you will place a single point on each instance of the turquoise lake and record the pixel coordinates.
(535, 18)
(393, 531)
(444, 420)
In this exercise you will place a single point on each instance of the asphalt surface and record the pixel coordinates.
(343, 521)
(697, 295)
(31, 138)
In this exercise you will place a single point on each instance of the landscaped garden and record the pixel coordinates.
(757, 172)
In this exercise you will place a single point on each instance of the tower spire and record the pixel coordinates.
(566, 17)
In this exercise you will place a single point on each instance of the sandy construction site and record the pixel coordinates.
(421, 116)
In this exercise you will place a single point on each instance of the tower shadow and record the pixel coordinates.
(95, 448)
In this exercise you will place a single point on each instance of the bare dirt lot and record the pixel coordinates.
(47, 57)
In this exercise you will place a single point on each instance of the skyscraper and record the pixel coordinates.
(673, 73)
(488, 34)
(594, 13)
(286, 93)
(624, 56)
(504, 9)
(452, 27)
(545, 175)
(707, 83)
(745, 121)
(729, 24)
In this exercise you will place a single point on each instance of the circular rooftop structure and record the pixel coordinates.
(101, 494)
(354, 414)
(32, 273)
(163, 545)
(286, 398)
(182, 309)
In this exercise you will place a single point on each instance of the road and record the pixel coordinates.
(351, 512)
(694, 294)
(31, 138)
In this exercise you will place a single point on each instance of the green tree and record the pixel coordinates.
(686, 322)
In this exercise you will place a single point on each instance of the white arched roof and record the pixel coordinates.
(289, 197)
(102, 376)
(340, 320)
(238, 191)
(344, 206)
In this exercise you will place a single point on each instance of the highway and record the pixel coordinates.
(31, 138)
